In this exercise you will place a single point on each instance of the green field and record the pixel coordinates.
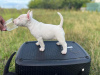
(81, 27)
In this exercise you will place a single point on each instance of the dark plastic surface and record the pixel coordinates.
(31, 61)
(29, 54)
(54, 70)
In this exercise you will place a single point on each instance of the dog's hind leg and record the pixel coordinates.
(42, 46)
(63, 43)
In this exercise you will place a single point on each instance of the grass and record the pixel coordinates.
(81, 27)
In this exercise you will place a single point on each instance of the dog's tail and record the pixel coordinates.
(6, 69)
(61, 17)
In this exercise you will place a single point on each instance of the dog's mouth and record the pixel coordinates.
(22, 25)
(16, 24)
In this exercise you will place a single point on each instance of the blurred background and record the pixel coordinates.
(81, 24)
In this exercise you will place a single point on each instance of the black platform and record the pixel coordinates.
(31, 61)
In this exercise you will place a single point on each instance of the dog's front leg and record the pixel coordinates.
(37, 44)
(42, 46)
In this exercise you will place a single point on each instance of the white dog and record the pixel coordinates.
(43, 31)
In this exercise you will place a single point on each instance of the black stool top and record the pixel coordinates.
(30, 52)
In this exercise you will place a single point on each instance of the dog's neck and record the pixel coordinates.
(32, 23)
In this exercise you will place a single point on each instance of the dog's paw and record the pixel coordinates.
(64, 51)
(37, 44)
(41, 49)
(58, 43)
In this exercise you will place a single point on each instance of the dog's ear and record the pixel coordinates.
(31, 14)
(28, 15)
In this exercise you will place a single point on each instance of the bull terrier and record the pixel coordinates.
(42, 31)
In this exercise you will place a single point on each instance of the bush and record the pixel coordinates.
(57, 4)
(35, 4)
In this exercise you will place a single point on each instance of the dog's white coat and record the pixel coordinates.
(43, 31)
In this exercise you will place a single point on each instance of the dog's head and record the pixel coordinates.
(23, 19)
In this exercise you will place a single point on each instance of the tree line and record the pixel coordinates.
(57, 4)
